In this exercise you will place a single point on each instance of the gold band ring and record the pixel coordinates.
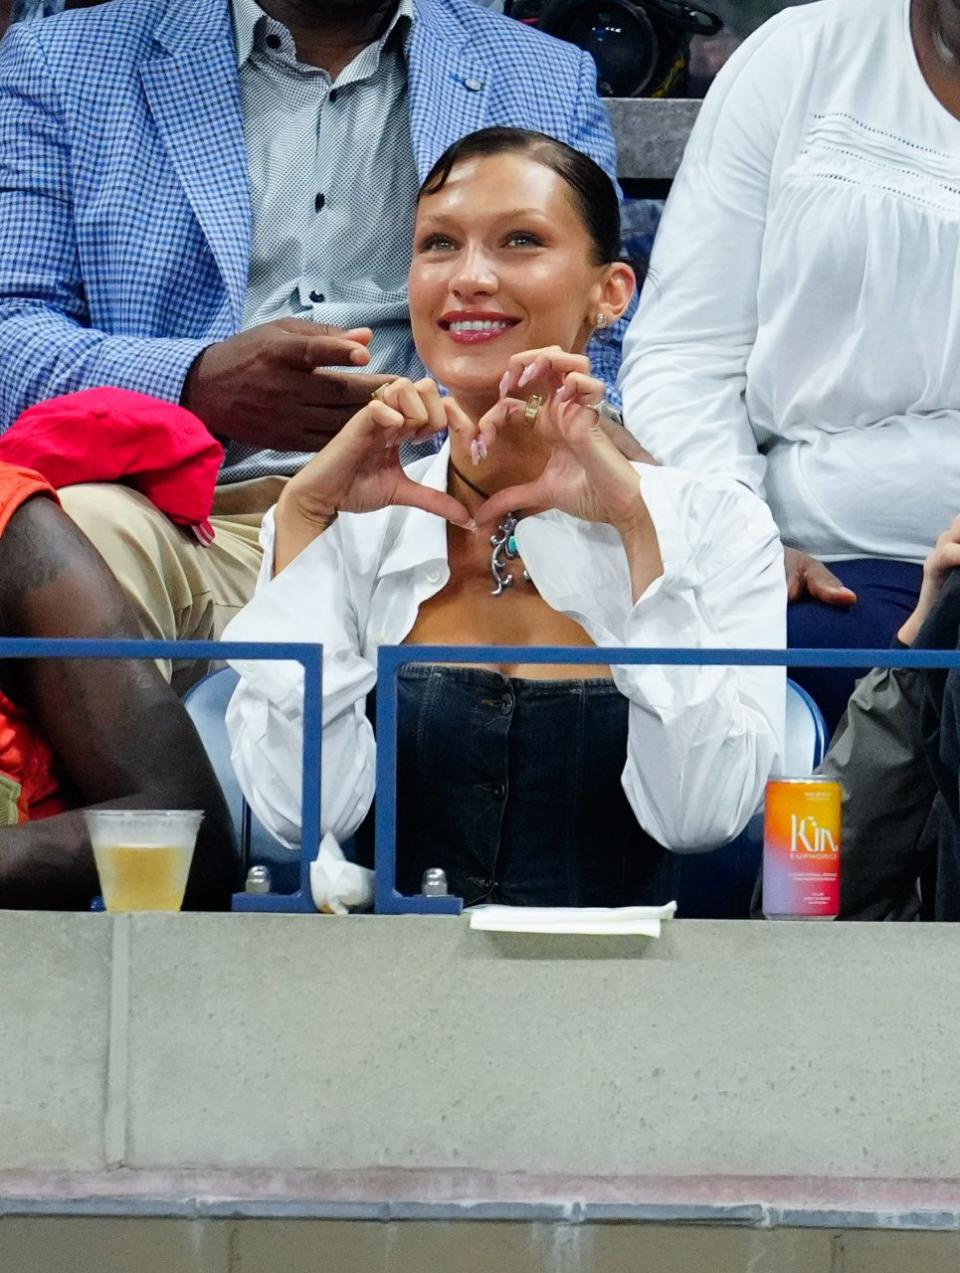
(377, 395)
(532, 409)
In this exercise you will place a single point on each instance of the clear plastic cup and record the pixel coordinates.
(143, 856)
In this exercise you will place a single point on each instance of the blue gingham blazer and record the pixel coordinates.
(125, 218)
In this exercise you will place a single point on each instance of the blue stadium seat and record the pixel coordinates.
(719, 885)
(206, 704)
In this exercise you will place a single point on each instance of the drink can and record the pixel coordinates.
(801, 849)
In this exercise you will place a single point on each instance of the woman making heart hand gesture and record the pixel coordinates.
(534, 524)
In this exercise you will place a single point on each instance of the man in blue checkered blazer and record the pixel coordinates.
(127, 233)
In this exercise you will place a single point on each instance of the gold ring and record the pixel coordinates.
(532, 409)
(377, 395)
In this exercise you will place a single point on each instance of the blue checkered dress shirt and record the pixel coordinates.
(125, 222)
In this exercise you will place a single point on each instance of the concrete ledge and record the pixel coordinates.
(406, 1196)
(378, 1069)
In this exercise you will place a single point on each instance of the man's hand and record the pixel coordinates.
(807, 575)
(270, 386)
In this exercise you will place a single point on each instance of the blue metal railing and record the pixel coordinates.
(390, 658)
(388, 900)
(310, 657)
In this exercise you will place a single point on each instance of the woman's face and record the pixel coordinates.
(502, 263)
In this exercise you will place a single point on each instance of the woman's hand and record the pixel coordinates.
(530, 365)
(586, 475)
(944, 558)
(807, 575)
(359, 470)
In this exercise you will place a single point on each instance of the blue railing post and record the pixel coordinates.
(387, 899)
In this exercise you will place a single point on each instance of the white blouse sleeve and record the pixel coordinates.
(702, 740)
(683, 376)
(311, 599)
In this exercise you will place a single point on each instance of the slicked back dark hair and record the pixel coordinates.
(593, 193)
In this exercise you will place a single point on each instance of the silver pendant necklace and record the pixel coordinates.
(504, 545)
(502, 542)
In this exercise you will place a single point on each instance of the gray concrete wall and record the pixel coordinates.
(414, 1043)
(765, 1074)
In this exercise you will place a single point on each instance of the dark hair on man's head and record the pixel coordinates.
(592, 191)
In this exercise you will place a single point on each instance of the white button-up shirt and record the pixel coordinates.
(702, 740)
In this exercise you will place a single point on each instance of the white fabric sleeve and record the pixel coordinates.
(704, 740)
(309, 600)
(683, 375)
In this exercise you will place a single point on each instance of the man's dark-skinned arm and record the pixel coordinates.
(119, 733)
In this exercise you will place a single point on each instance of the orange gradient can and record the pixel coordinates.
(801, 849)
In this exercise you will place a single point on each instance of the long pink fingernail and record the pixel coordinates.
(505, 382)
(482, 448)
(475, 451)
(527, 376)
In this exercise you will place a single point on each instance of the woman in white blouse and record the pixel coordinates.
(527, 784)
(800, 327)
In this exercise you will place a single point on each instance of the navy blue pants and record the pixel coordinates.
(887, 592)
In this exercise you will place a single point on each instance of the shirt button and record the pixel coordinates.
(333, 95)
(474, 86)
(273, 41)
(432, 576)
(506, 707)
(499, 790)
(317, 297)
(319, 202)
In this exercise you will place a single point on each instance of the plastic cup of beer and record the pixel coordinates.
(143, 856)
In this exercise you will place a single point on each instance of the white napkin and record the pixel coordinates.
(337, 885)
(643, 921)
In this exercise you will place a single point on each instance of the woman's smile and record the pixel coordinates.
(476, 327)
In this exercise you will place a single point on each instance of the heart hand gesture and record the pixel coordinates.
(359, 471)
(587, 475)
